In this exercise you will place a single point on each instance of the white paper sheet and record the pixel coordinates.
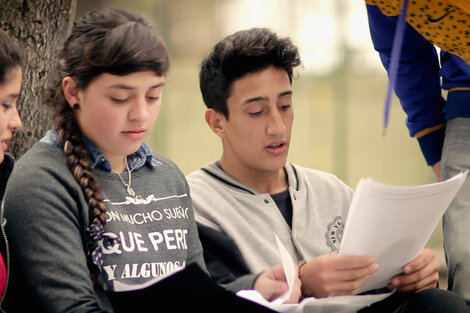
(338, 304)
(394, 223)
(290, 270)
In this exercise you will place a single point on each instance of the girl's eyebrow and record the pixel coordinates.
(126, 87)
(13, 96)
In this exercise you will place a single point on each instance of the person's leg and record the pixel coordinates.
(434, 300)
(431, 300)
(389, 305)
(456, 221)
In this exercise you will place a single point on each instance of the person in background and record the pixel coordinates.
(252, 193)
(441, 125)
(91, 205)
(10, 86)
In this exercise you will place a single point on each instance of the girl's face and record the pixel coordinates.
(9, 117)
(117, 112)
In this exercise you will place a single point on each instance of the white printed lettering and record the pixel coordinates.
(139, 242)
(131, 246)
(155, 238)
(168, 238)
(110, 271)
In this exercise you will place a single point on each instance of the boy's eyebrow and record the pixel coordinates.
(255, 99)
(285, 93)
(126, 87)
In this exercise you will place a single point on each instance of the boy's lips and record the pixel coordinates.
(278, 147)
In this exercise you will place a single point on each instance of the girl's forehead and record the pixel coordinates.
(133, 81)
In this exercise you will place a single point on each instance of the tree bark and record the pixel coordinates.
(40, 28)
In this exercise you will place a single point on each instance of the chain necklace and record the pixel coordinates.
(129, 189)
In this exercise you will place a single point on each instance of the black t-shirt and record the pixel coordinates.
(284, 204)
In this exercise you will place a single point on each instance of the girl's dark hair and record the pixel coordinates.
(9, 55)
(244, 52)
(106, 40)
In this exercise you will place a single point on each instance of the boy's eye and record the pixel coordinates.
(255, 113)
(6, 105)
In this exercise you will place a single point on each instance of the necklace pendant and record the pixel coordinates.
(130, 191)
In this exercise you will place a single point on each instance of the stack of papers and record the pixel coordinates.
(394, 223)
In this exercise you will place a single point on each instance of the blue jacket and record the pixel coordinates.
(419, 82)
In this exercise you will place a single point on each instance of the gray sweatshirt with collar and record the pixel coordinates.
(231, 213)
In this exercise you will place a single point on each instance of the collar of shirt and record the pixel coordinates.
(98, 160)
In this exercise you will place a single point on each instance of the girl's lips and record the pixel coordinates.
(4, 145)
(135, 134)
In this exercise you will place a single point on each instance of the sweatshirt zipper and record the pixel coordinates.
(3, 223)
(7, 254)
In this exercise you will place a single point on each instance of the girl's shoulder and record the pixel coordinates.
(41, 155)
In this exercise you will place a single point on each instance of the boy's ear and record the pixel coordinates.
(215, 120)
(70, 89)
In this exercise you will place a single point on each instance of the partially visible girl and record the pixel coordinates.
(10, 87)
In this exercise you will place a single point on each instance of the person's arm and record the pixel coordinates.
(46, 232)
(224, 260)
(418, 82)
(228, 268)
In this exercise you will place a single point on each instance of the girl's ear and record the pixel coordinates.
(216, 122)
(70, 89)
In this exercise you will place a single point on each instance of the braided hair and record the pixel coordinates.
(106, 40)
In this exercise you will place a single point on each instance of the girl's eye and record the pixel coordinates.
(120, 100)
(6, 105)
(153, 98)
(285, 107)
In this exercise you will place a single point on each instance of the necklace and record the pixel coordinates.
(129, 189)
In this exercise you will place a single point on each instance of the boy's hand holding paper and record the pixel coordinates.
(419, 274)
(393, 224)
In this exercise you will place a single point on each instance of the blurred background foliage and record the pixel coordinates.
(338, 101)
(338, 93)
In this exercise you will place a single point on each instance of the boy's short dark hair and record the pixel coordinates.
(239, 54)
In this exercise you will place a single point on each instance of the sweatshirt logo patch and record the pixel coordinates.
(334, 234)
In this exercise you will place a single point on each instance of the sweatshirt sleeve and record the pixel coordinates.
(224, 260)
(45, 228)
(418, 81)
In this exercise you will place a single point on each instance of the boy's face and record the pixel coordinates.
(257, 134)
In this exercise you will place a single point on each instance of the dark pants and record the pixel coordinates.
(427, 301)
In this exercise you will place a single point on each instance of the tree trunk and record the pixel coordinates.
(40, 27)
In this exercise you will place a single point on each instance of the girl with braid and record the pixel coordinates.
(91, 207)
